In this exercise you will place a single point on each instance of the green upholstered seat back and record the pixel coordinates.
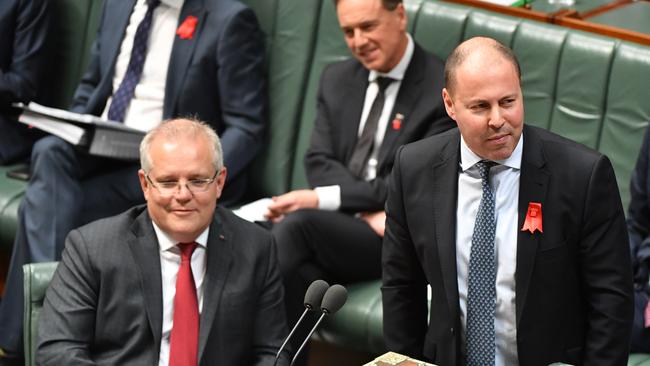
(627, 111)
(291, 28)
(329, 46)
(72, 31)
(11, 192)
(37, 278)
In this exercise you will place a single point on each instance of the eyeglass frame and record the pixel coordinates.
(178, 185)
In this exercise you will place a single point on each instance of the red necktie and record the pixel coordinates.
(184, 338)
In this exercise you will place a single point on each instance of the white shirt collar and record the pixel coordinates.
(176, 4)
(165, 242)
(397, 73)
(468, 158)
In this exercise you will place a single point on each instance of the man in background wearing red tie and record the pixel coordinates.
(178, 281)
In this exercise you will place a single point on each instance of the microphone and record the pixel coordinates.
(333, 301)
(313, 297)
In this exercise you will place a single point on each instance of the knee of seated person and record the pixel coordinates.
(291, 238)
(51, 148)
(294, 223)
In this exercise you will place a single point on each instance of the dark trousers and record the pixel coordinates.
(315, 244)
(67, 188)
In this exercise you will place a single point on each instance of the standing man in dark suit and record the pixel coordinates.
(519, 233)
(367, 107)
(23, 27)
(152, 60)
(132, 289)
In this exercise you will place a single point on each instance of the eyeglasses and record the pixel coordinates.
(169, 188)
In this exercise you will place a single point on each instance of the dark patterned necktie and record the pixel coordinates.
(184, 337)
(481, 288)
(363, 148)
(122, 97)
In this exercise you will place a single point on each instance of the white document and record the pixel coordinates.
(69, 132)
(255, 210)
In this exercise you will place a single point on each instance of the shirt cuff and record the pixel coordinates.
(329, 197)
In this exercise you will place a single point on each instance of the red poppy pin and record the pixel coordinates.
(397, 122)
(533, 218)
(186, 29)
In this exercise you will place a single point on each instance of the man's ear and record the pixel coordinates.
(403, 18)
(144, 184)
(449, 103)
(221, 180)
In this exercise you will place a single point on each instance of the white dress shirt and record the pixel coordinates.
(504, 180)
(170, 262)
(146, 108)
(329, 197)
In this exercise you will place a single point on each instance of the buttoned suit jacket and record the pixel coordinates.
(573, 280)
(341, 98)
(218, 75)
(104, 304)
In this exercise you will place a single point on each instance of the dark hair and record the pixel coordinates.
(460, 53)
(389, 5)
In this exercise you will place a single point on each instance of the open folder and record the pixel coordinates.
(95, 135)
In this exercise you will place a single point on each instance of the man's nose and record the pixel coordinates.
(183, 193)
(360, 39)
(496, 118)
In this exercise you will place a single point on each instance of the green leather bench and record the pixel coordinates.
(589, 88)
(36, 278)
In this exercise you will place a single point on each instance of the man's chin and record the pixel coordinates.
(501, 154)
(368, 63)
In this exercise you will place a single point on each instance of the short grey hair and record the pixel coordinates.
(174, 128)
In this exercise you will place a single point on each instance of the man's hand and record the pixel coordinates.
(376, 220)
(289, 202)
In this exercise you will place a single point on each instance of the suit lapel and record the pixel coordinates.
(533, 184)
(218, 265)
(121, 15)
(353, 98)
(144, 247)
(181, 56)
(445, 191)
(408, 94)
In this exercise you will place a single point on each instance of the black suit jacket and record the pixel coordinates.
(217, 76)
(104, 305)
(573, 281)
(341, 97)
